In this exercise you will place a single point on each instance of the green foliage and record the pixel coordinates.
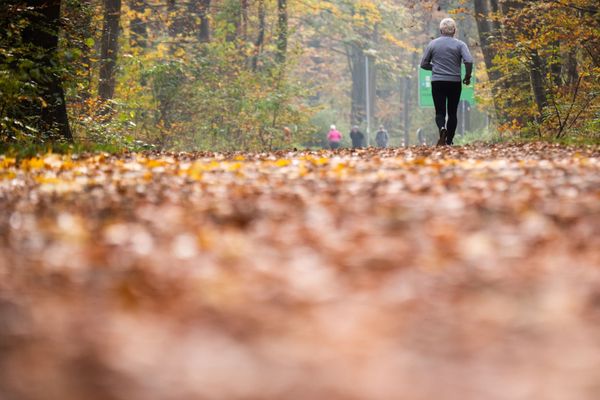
(166, 82)
(322, 120)
(546, 59)
(26, 71)
(185, 94)
(20, 150)
(231, 91)
(229, 106)
(17, 68)
(481, 136)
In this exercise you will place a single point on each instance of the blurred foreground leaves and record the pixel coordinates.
(405, 273)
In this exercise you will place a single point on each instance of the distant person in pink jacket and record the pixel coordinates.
(334, 137)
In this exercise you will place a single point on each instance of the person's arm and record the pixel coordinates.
(468, 60)
(426, 60)
(468, 73)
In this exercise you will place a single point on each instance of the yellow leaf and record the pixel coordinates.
(155, 163)
(7, 162)
(32, 163)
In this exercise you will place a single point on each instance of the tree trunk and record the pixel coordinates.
(356, 63)
(204, 31)
(81, 15)
(260, 38)
(537, 72)
(176, 25)
(406, 89)
(42, 34)
(199, 19)
(555, 64)
(244, 19)
(282, 30)
(138, 25)
(357, 60)
(489, 30)
(571, 67)
(109, 49)
(233, 15)
(492, 32)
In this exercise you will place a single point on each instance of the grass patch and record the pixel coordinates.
(26, 150)
(480, 136)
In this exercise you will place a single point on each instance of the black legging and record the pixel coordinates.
(443, 92)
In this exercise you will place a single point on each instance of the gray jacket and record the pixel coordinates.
(443, 57)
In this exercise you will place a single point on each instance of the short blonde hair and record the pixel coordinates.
(448, 27)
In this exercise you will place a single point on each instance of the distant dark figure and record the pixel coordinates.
(443, 56)
(334, 137)
(358, 138)
(382, 137)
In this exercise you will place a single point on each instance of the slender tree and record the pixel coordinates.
(109, 49)
(486, 12)
(537, 72)
(197, 22)
(260, 38)
(282, 30)
(359, 53)
(244, 5)
(42, 35)
(177, 23)
(357, 63)
(204, 13)
(138, 25)
(231, 14)
(497, 24)
(571, 67)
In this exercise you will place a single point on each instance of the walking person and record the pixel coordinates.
(443, 57)
(334, 137)
(358, 138)
(382, 137)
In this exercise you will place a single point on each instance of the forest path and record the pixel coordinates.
(395, 274)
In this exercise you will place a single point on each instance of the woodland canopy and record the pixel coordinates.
(224, 74)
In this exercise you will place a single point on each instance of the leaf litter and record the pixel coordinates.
(419, 273)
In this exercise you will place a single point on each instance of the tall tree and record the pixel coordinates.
(571, 67)
(361, 61)
(511, 88)
(486, 12)
(109, 49)
(244, 5)
(176, 24)
(231, 15)
(357, 63)
(42, 35)
(537, 56)
(260, 37)
(138, 25)
(201, 10)
(282, 30)
(197, 20)
(537, 72)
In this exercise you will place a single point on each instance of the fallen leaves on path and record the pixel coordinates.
(420, 273)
